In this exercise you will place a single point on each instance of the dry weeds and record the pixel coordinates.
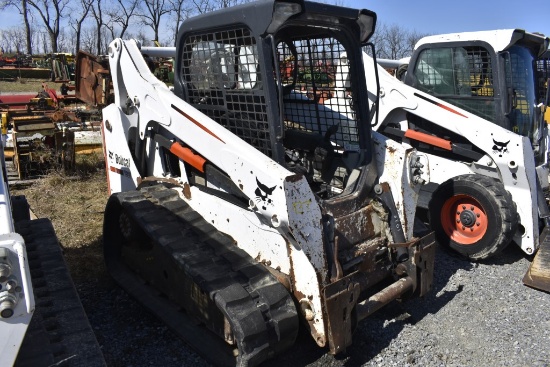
(74, 203)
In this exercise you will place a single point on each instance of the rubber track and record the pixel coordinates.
(261, 311)
(59, 333)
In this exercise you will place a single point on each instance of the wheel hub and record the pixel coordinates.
(464, 220)
(467, 218)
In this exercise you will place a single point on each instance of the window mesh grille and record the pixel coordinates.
(317, 94)
(462, 76)
(543, 73)
(519, 80)
(223, 81)
(464, 71)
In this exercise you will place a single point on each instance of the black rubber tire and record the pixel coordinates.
(500, 215)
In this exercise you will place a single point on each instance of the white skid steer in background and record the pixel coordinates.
(476, 112)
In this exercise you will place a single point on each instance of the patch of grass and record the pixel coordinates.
(23, 85)
(75, 204)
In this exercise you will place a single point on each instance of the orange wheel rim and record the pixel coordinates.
(463, 219)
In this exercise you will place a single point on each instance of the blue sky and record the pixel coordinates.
(440, 16)
(434, 16)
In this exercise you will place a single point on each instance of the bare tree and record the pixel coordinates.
(28, 29)
(205, 6)
(202, 6)
(51, 12)
(141, 37)
(412, 38)
(179, 14)
(394, 42)
(98, 17)
(22, 7)
(3, 41)
(120, 16)
(44, 36)
(377, 39)
(37, 45)
(105, 39)
(80, 15)
(65, 42)
(89, 36)
(12, 40)
(152, 14)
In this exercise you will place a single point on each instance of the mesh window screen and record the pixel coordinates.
(543, 73)
(462, 76)
(317, 95)
(520, 79)
(519, 84)
(318, 122)
(223, 81)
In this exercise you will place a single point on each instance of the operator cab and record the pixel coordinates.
(290, 110)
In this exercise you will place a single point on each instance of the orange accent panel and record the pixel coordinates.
(116, 170)
(428, 139)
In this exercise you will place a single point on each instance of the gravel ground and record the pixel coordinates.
(476, 315)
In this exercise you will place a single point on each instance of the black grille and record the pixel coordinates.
(464, 71)
(543, 73)
(462, 76)
(317, 96)
(523, 93)
(317, 121)
(223, 81)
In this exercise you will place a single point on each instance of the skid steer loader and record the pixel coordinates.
(242, 199)
(499, 77)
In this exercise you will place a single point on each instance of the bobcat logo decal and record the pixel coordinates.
(500, 147)
(262, 194)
